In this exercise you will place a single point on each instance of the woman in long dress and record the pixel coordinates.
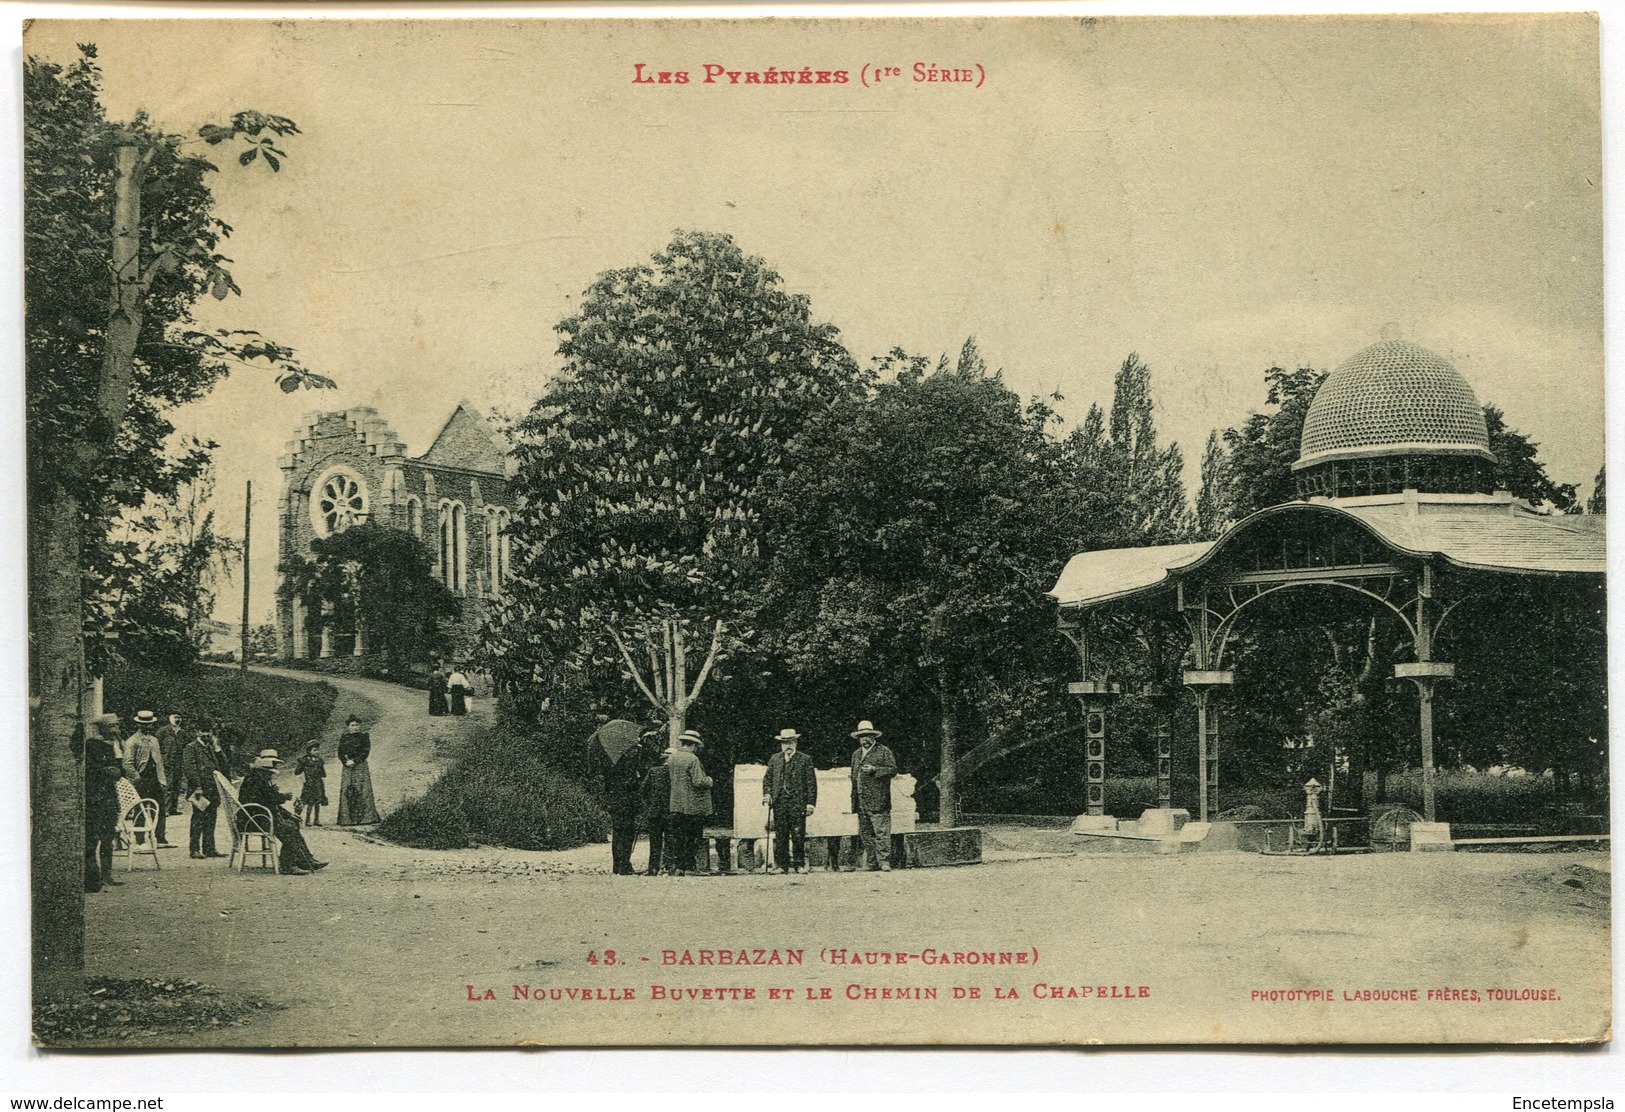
(437, 693)
(356, 805)
(457, 684)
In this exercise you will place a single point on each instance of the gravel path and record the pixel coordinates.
(409, 749)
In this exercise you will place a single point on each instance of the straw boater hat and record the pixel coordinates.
(788, 735)
(269, 757)
(866, 728)
(691, 737)
(145, 718)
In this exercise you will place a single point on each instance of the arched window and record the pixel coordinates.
(496, 543)
(504, 548)
(459, 549)
(414, 517)
(443, 535)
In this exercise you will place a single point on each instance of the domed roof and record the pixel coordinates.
(1393, 398)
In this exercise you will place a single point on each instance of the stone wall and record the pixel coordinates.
(349, 466)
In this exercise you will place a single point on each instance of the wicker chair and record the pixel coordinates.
(138, 832)
(253, 830)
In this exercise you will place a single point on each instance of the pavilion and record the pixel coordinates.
(1397, 504)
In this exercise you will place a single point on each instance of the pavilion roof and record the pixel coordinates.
(1492, 533)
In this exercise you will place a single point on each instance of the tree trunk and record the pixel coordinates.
(947, 783)
(56, 622)
(56, 790)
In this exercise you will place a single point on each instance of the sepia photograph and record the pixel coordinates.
(833, 532)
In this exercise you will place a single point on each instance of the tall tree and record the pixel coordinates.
(641, 469)
(150, 577)
(120, 239)
(1598, 502)
(1213, 510)
(914, 541)
(1519, 469)
(1263, 449)
(1140, 484)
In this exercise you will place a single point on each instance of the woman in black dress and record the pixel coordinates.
(356, 805)
(437, 693)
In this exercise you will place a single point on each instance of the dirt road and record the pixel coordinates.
(398, 947)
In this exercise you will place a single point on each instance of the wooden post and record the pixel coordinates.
(248, 535)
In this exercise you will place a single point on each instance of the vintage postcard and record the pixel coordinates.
(1020, 530)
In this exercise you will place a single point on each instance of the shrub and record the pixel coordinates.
(434, 821)
(500, 791)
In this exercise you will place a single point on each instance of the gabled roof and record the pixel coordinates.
(1493, 533)
(467, 441)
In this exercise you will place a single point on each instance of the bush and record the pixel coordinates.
(433, 822)
(249, 710)
(499, 791)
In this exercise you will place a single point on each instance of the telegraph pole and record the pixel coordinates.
(248, 525)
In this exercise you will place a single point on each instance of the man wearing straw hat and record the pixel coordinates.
(790, 791)
(258, 787)
(873, 766)
(144, 764)
(690, 803)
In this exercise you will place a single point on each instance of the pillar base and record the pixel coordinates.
(1431, 837)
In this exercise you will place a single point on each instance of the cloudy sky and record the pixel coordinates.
(1217, 195)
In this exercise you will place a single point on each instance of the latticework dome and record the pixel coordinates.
(1393, 398)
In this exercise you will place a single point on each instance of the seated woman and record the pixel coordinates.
(257, 787)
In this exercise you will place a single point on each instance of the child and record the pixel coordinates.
(313, 796)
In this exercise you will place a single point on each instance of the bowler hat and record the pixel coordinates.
(866, 728)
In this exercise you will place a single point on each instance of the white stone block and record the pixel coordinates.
(833, 816)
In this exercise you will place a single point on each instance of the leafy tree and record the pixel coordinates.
(262, 640)
(150, 578)
(1598, 502)
(641, 469)
(914, 541)
(1213, 510)
(379, 581)
(1518, 469)
(120, 239)
(1534, 656)
(1134, 484)
(1263, 449)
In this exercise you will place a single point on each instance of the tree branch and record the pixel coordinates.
(633, 669)
(710, 659)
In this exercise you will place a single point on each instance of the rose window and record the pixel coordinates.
(339, 502)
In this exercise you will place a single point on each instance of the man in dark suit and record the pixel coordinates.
(656, 812)
(790, 791)
(172, 739)
(199, 763)
(620, 766)
(102, 772)
(873, 766)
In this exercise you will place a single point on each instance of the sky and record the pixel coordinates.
(1217, 195)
